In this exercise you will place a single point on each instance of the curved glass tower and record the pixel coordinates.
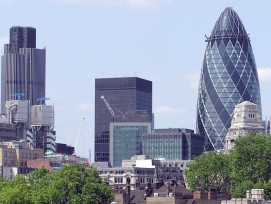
(228, 77)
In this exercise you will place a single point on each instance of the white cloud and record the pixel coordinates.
(168, 111)
(84, 107)
(264, 76)
(192, 80)
(133, 4)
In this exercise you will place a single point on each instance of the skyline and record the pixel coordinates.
(150, 39)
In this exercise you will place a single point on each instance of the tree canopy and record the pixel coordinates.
(209, 170)
(73, 183)
(247, 166)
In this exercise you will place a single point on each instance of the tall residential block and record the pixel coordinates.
(228, 77)
(22, 68)
(115, 99)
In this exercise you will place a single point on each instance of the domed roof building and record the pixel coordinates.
(228, 77)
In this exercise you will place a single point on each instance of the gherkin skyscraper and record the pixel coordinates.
(228, 77)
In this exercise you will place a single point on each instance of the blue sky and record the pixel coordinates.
(158, 40)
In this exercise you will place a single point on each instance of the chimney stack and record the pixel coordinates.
(197, 193)
(212, 193)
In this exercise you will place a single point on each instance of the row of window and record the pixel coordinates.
(9, 163)
(9, 154)
(29, 155)
(167, 170)
(144, 172)
(7, 130)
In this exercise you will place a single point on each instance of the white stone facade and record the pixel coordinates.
(255, 196)
(246, 119)
(142, 170)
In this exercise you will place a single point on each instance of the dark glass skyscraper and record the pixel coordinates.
(228, 77)
(23, 67)
(125, 95)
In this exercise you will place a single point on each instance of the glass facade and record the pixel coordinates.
(228, 77)
(126, 140)
(124, 95)
(172, 144)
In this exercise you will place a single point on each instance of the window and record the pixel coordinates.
(149, 180)
(251, 115)
(142, 180)
(118, 180)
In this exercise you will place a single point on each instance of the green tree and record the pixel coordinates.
(250, 163)
(209, 170)
(247, 166)
(40, 181)
(15, 191)
(267, 191)
(73, 183)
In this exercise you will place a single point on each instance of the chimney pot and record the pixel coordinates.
(212, 193)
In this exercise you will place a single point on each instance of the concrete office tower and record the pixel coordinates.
(23, 67)
(228, 77)
(246, 119)
(118, 96)
(23, 88)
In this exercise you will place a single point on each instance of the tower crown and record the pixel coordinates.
(229, 25)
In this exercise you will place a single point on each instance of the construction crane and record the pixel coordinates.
(78, 135)
(109, 107)
(18, 95)
(41, 99)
